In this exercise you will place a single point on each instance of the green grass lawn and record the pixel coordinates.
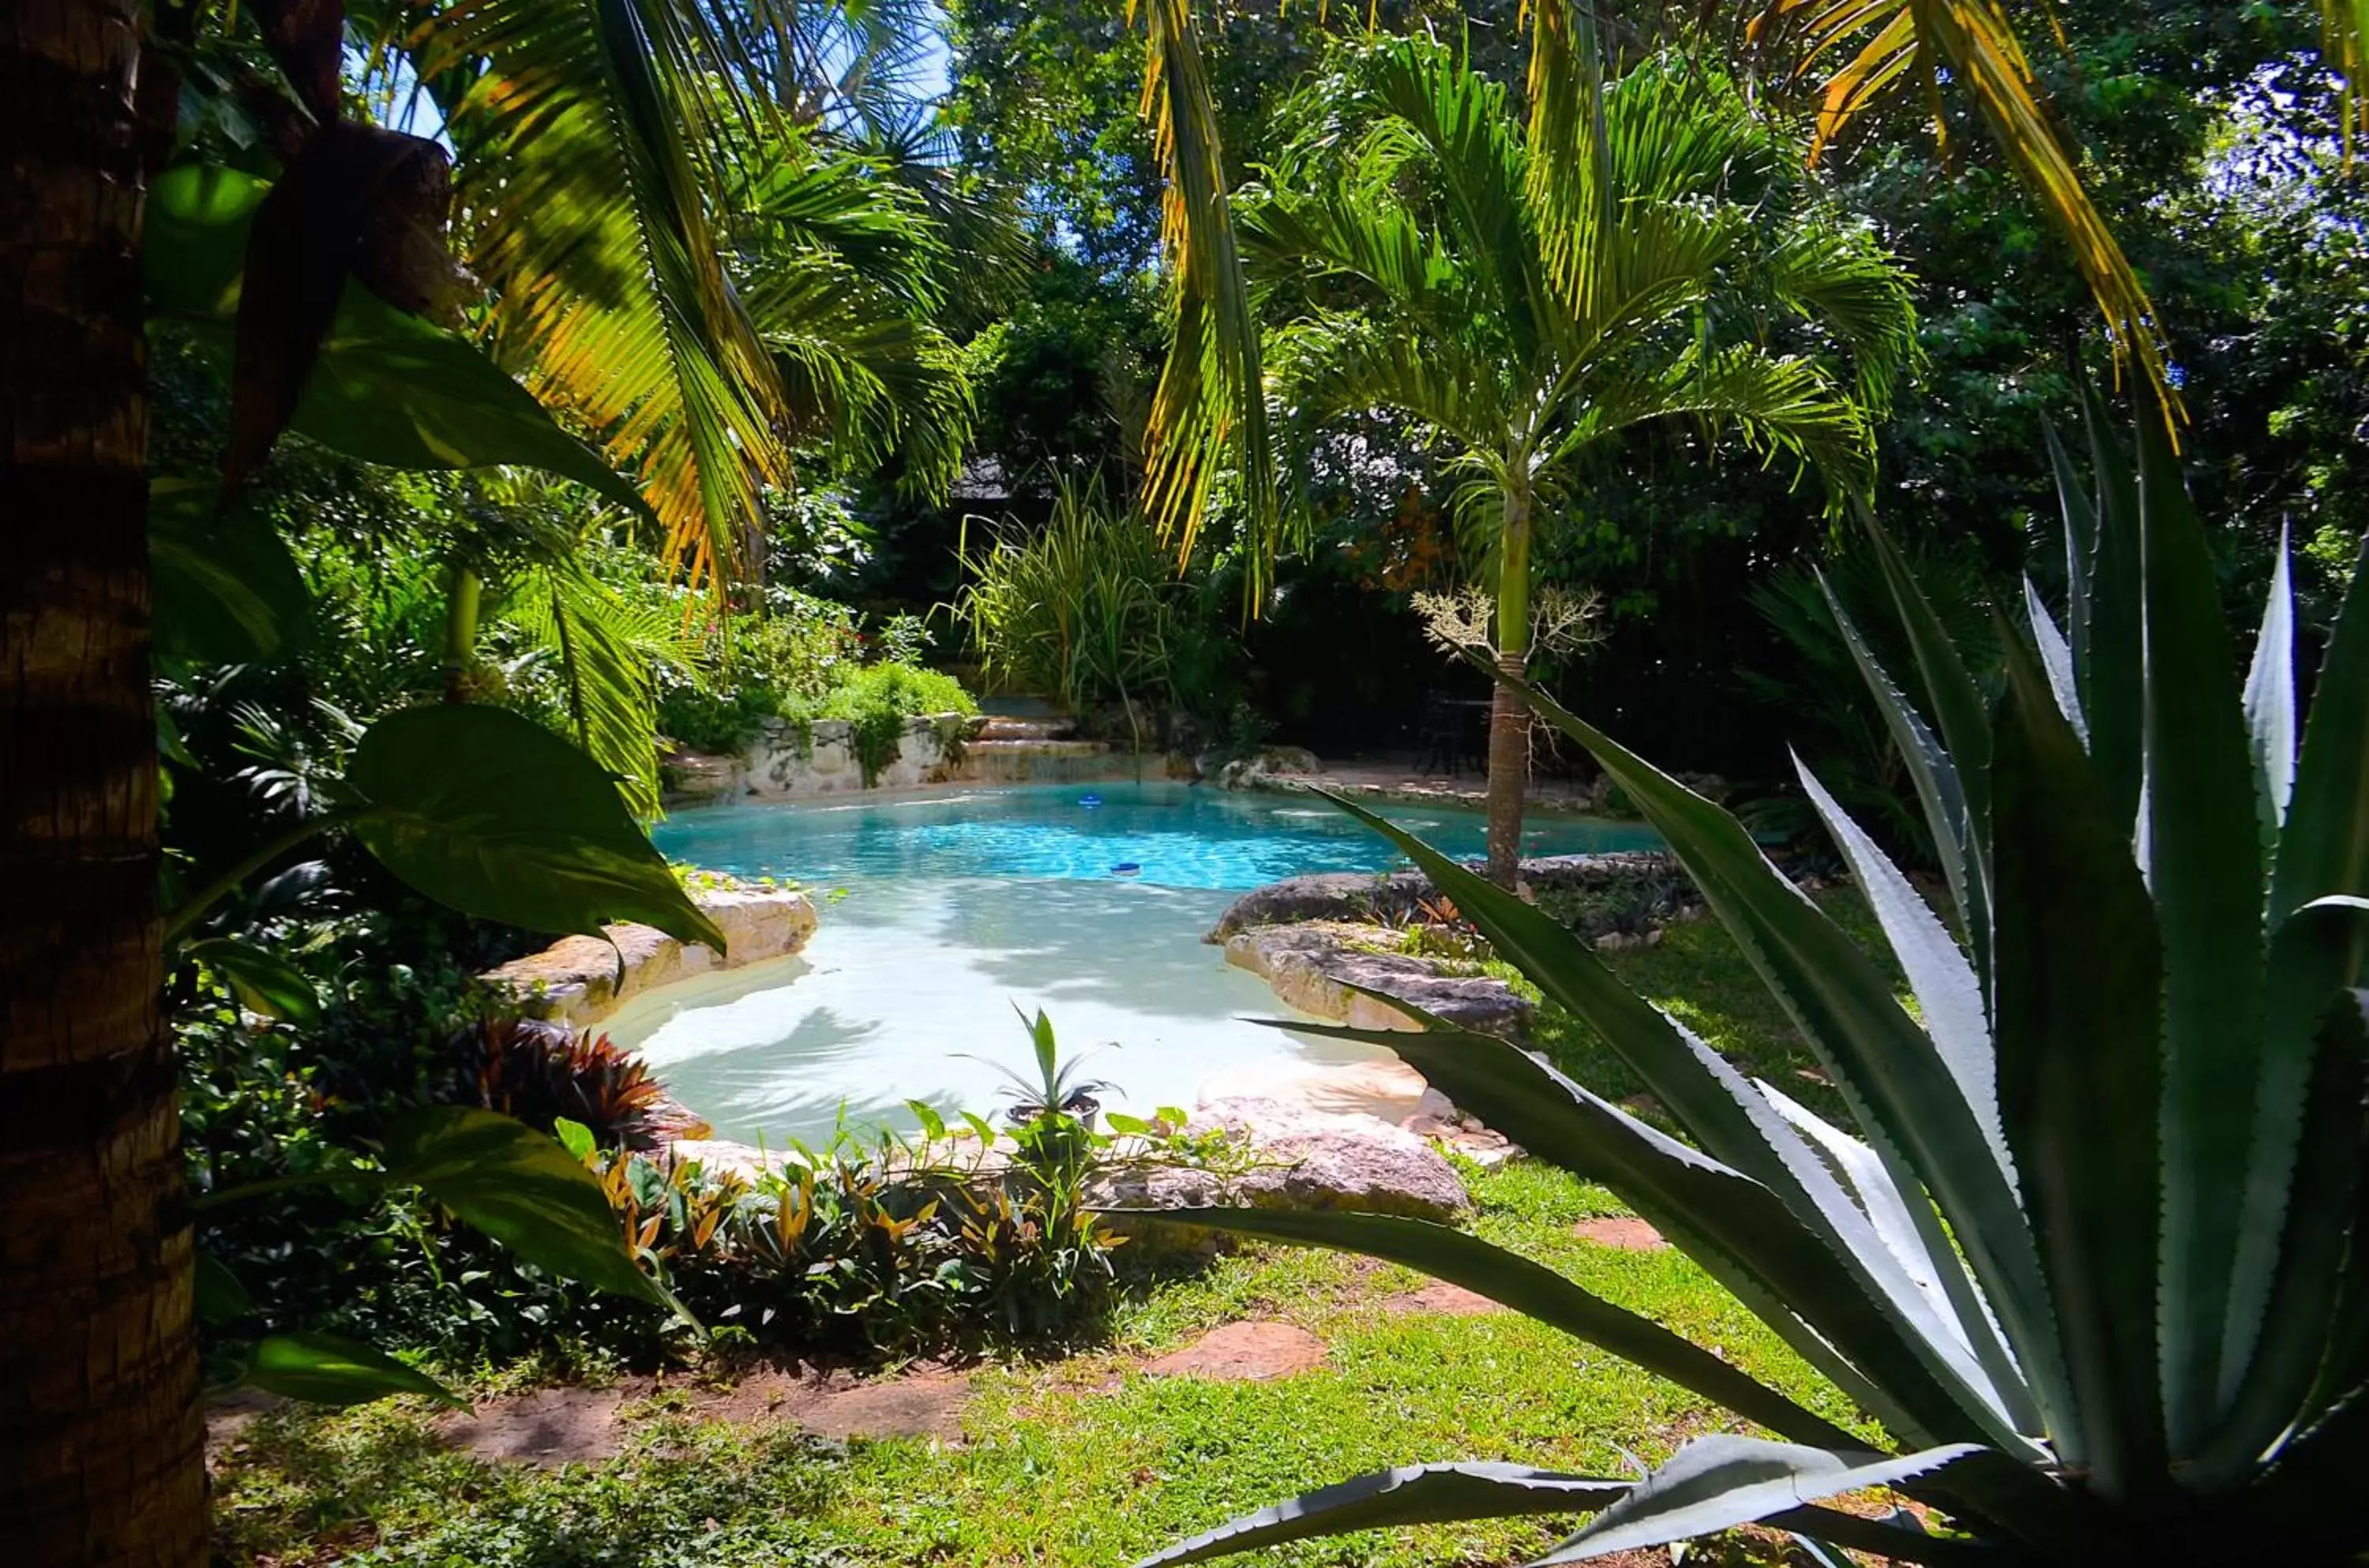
(1088, 1460)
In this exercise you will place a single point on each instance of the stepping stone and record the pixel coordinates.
(926, 1405)
(1626, 1234)
(546, 1427)
(1445, 1299)
(1244, 1353)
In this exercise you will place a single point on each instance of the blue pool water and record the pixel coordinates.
(943, 912)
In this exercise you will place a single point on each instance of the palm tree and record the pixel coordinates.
(700, 279)
(595, 141)
(1526, 298)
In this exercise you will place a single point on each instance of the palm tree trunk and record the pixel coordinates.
(1509, 715)
(464, 597)
(101, 1436)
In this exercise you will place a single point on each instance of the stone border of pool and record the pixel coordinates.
(580, 980)
(1365, 1137)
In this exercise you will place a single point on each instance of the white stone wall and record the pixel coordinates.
(777, 767)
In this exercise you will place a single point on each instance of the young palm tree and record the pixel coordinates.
(1526, 298)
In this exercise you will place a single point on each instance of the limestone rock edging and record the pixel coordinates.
(579, 980)
(1300, 1158)
(1366, 896)
(1318, 967)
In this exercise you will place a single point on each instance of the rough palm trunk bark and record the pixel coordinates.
(101, 1439)
(1509, 715)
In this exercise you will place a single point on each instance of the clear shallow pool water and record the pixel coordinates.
(943, 912)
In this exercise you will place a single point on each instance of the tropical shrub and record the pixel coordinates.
(885, 1243)
(1082, 610)
(2095, 1253)
(540, 1071)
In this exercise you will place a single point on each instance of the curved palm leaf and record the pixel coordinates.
(1209, 407)
(1893, 43)
(586, 143)
(607, 652)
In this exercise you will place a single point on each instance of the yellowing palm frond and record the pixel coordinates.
(2345, 48)
(1211, 404)
(1911, 39)
(585, 143)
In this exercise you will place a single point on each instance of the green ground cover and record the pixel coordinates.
(1085, 1459)
(1089, 1459)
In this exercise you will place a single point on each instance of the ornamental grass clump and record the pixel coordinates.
(2093, 1247)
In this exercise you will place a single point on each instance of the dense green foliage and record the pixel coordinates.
(1092, 608)
(753, 321)
(1082, 1465)
(2092, 1254)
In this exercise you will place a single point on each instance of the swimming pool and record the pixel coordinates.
(943, 912)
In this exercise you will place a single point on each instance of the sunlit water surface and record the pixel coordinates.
(941, 913)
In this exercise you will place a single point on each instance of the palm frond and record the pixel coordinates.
(1782, 406)
(1211, 404)
(1338, 364)
(845, 272)
(1839, 276)
(585, 146)
(607, 653)
(1913, 40)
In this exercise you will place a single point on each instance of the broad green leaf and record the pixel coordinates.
(2077, 1018)
(575, 1138)
(2271, 704)
(2201, 852)
(1529, 1289)
(519, 1187)
(1902, 1095)
(194, 248)
(262, 980)
(326, 1368)
(1414, 1494)
(2325, 1205)
(1717, 1484)
(933, 1126)
(2323, 853)
(220, 1298)
(387, 386)
(226, 588)
(488, 812)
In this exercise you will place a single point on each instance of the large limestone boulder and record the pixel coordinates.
(1319, 969)
(581, 980)
(1300, 1158)
(1363, 896)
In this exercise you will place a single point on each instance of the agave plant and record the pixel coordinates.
(2095, 1254)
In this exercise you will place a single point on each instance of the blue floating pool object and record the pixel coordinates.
(1126, 868)
(1090, 801)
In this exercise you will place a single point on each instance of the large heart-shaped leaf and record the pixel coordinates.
(326, 1368)
(226, 588)
(385, 386)
(488, 812)
(262, 980)
(519, 1188)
